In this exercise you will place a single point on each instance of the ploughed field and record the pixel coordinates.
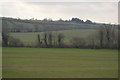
(59, 63)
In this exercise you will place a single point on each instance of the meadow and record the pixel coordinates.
(31, 37)
(59, 63)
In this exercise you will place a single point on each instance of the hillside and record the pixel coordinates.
(20, 25)
(31, 37)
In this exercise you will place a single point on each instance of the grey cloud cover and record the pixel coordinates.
(95, 11)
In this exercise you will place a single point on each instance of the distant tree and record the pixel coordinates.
(78, 42)
(9, 41)
(109, 34)
(50, 19)
(32, 19)
(45, 39)
(5, 32)
(60, 20)
(45, 19)
(93, 41)
(39, 41)
(36, 28)
(60, 39)
(88, 22)
(55, 40)
(14, 42)
(101, 35)
(5, 39)
(50, 39)
(77, 20)
(66, 20)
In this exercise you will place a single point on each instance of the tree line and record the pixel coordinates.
(105, 37)
(50, 40)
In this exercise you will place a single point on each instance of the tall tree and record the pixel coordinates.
(109, 29)
(39, 40)
(60, 39)
(50, 39)
(45, 38)
(107, 36)
(5, 37)
(101, 36)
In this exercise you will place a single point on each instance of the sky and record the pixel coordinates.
(96, 11)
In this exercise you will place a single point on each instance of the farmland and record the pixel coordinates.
(59, 63)
(31, 37)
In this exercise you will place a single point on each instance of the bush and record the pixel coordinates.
(78, 42)
(14, 42)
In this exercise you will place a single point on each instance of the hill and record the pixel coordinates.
(31, 25)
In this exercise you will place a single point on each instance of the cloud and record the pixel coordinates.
(95, 11)
(62, 0)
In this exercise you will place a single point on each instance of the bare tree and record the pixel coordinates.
(92, 41)
(55, 40)
(50, 39)
(39, 41)
(45, 38)
(101, 36)
(107, 36)
(60, 39)
(78, 42)
(5, 39)
(14, 42)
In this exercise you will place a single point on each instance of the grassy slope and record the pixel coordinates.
(29, 38)
(59, 63)
(30, 25)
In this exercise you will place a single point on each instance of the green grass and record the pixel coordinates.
(59, 63)
(31, 37)
(0, 61)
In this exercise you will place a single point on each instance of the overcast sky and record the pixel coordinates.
(103, 12)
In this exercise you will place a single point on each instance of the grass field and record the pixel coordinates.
(59, 63)
(31, 37)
